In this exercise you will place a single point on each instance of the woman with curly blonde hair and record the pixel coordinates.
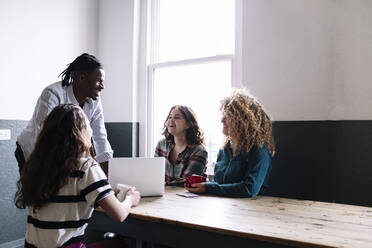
(244, 163)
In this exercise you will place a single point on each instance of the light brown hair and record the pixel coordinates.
(250, 125)
(58, 149)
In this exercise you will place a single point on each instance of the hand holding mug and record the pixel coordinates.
(134, 195)
(195, 184)
(121, 191)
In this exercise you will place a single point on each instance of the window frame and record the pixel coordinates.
(235, 61)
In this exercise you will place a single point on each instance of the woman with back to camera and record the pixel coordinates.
(182, 146)
(61, 183)
(244, 163)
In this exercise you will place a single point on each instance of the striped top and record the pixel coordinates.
(66, 216)
(190, 161)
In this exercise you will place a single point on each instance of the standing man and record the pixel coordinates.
(82, 82)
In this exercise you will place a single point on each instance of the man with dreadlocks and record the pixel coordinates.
(82, 82)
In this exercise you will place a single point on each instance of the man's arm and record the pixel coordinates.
(101, 144)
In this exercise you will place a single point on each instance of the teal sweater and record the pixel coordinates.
(242, 175)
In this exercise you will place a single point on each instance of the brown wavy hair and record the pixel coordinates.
(60, 145)
(250, 125)
(194, 135)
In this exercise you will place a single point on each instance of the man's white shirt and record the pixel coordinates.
(56, 94)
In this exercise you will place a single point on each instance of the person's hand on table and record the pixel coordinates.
(134, 196)
(197, 188)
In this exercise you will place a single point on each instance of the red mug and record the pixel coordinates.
(194, 179)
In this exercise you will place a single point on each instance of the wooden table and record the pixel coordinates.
(209, 221)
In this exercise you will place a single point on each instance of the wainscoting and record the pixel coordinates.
(19, 243)
(13, 220)
(323, 160)
(123, 137)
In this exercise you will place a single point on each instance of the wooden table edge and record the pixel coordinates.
(265, 238)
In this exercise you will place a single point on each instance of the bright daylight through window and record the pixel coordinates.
(193, 46)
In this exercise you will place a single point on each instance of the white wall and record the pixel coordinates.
(117, 51)
(286, 57)
(38, 39)
(352, 58)
(309, 60)
(305, 60)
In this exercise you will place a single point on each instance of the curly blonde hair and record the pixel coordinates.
(250, 125)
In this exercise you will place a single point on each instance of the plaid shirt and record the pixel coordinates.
(190, 161)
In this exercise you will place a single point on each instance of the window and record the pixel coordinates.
(192, 52)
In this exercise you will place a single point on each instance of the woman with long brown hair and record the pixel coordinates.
(182, 145)
(60, 183)
(244, 163)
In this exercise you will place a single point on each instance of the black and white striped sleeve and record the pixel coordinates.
(95, 185)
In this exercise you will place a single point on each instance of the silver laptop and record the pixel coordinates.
(146, 174)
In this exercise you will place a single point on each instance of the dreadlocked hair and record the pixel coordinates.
(82, 64)
(250, 125)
